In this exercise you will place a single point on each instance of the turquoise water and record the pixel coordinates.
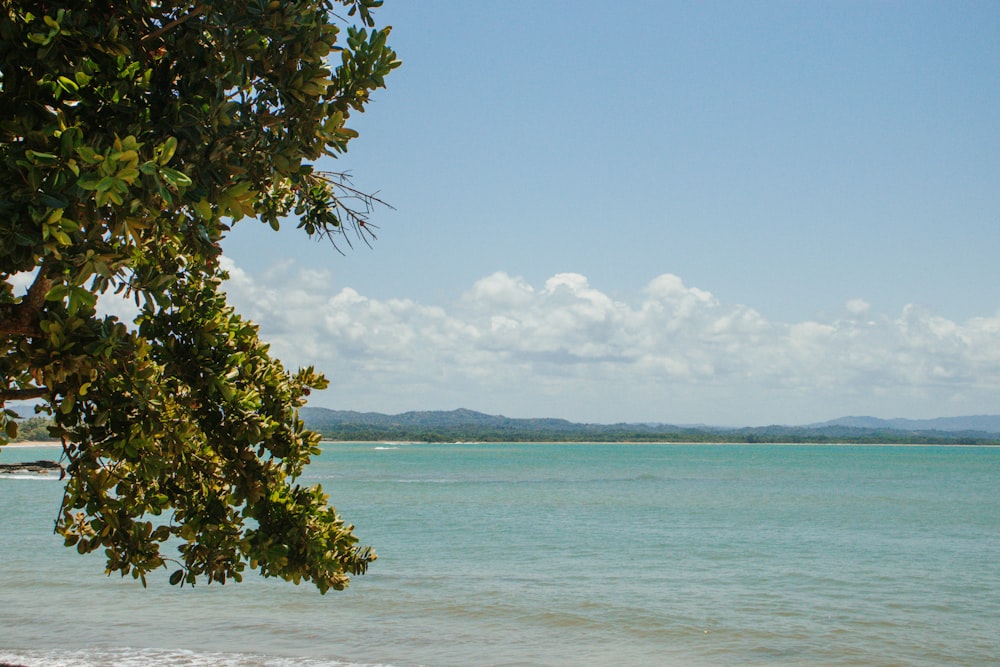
(566, 555)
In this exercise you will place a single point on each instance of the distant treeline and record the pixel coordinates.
(34, 429)
(469, 426)
(359, 433)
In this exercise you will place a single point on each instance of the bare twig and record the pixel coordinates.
(359, 216)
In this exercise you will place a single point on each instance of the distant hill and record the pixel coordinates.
(319, 418)
(471, 426)
(983, 423)
(461, 425)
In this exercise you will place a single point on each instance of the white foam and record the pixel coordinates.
(21, 475)
(128, 657)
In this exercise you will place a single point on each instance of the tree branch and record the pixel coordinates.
(21, 319)
(196, 11)
(22, 394)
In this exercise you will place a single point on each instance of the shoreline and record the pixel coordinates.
(790, 443)
(55, 443)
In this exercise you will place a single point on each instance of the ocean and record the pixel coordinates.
(559, 555)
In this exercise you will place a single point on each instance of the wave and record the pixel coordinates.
(20, 475)
(143, 657)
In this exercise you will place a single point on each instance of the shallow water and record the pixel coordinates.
(563, 554)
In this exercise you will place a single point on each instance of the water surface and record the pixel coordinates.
(565, 554)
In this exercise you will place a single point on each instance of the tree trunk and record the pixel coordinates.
(21, 319)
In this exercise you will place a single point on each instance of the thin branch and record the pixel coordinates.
(65, 498)
(342, 180)
(197, 11)
(357, 217)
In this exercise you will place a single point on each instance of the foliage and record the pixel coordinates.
(133, 135)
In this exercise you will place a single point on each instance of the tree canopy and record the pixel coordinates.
(133, 135)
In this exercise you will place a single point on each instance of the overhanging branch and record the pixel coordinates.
(22, 394)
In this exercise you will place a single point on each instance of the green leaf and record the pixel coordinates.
(40, 38)
(168, 148)
(40, 158)
(57, 293)
(178, 179)
(88, 181)
(68, 84)
(106, 183)
(84, 296)
(128, 175)
(54, 202)
(204, 209)
(89, 155)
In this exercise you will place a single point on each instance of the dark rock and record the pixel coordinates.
(36, 467)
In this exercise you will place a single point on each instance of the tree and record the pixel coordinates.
(34, 429)
(133, 135)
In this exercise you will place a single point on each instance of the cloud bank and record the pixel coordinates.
(672, 353)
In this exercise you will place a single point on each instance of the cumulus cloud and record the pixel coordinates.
(565, 348)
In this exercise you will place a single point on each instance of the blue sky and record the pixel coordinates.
(720, 212)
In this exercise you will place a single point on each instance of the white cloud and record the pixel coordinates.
(858, 307)
(673, 353)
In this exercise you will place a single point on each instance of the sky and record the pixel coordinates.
(728, 213)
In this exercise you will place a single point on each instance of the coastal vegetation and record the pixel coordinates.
(133, 136)
(470, 427)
